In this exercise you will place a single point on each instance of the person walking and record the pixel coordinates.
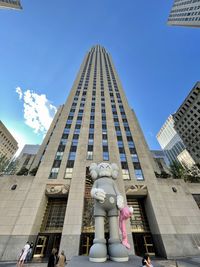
(23, 255)
(61, 259)
(52, 258)
(29, 254)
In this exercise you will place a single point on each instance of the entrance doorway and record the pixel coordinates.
(141, 233)
(143, 243)
(45, 243)
(86, 243)
(51, 228)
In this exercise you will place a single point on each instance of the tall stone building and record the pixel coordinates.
(187, 122)
(11, 4)
(54, 208)
(8, 144)
(185, 13)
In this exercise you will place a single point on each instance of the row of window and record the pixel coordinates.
(63, 141)
(123, 159)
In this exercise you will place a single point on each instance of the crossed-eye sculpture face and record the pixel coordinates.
(104, 170)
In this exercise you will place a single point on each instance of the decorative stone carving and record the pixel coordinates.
(136, 189)
(57, 189)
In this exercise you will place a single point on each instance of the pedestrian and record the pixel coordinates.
(52, 258)
(29, 254)
(23, 255)
(61, 259)
(146, 261)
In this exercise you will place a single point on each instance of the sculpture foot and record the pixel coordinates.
(118, 252)
(98, 253)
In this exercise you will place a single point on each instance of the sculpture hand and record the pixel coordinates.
(120, 202)
(98, 194)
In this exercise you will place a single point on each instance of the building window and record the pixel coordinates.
(59, 155)
(90, 148)
(68, 173)
(90, 155)
(73, 148)
(139, 175)
(54, 173)
(134, 158)
(131, 144)
(72, 156)
(56, 163)
(61, 148)
(75, 136)
(125, 174)
(54, 215)
(63, 141)
(105, 156)
(122, 157)
(68, 126)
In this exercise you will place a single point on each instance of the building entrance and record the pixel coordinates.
(45, 243)
(51, 228)
(142, 237)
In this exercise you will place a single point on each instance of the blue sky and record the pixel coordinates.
(42, 47)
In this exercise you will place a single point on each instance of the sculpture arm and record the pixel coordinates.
(120, 199)
(97, 193)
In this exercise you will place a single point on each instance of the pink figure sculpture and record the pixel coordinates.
(125, 214)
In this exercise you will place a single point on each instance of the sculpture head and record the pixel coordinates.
(104, 169)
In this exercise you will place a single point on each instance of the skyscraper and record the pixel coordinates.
(187, 122)
(12, 4)
(8, 144)
(185, 13)
(170, 141)
(54, 208)
(26, 157)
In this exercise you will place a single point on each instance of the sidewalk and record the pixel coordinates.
(186, 262)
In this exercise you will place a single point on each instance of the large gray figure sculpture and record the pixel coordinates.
(107, 201)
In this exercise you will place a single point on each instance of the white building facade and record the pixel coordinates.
(185, 13)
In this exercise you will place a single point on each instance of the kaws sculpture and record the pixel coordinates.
(125, 213)
(107, 201)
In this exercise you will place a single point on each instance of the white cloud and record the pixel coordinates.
(38, 111)
(19, 92)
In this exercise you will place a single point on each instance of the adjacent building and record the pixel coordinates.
(27, 157)
(170, 141)
(185, 13)
(11, 4)
(54, 207)
(161, 162)
(8, 144)
(187, 122)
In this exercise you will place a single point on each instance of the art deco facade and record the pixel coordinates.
(11, 4)
(185, 13)
(8, 144)
(187, 122)
(54, 208)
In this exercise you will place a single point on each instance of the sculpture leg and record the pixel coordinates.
(117, 251)
(98, 251)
